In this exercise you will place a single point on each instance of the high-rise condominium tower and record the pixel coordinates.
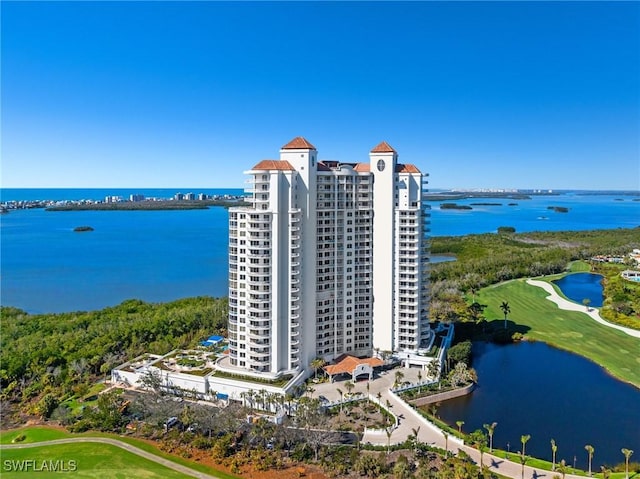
(330, 258)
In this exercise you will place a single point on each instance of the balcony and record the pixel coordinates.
(254, 361)
(255, 334)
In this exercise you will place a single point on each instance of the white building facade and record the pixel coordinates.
(330, 258)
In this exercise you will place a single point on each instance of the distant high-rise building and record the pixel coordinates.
(329, 259)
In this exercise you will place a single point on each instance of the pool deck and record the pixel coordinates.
(571, 306)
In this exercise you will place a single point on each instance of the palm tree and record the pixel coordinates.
(586, 302)
(349, 385)
(627, 454)
(289, 398)
(399, 377)
(316, 364)
(388, 431)
(490, 428)
(589, 448)
(446, 442)
(339, 391)
(506, 310)
(523, 461)
(554, 449)
(523, 440)
(460, 424)
(414, 436)
(563, 468)
(433, 369)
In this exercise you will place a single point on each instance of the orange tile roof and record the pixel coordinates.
(362, 168)
(298, 143)
(400, 168)
(346, 364)
(274, 165)
(383, 147)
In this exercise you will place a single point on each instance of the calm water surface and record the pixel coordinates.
(166, 255)
(532, 388)
(580, 286)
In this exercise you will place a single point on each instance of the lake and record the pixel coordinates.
(580, 286)
(532, 388)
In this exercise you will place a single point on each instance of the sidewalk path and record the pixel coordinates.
(571, 306)
(123, 445)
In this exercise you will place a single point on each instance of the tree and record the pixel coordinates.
(349, 386)
(341, 393)
(388, 431)
(460, 352)
(586, 302)
(316, 364)
(152, 379)
(479, 440)
(399, 376)
(446, 441)
(414, 436)
(506, 310)
(590, 450)
(47, 405)
(490, 428)
(476, 312)
(523, 461)
(627, 454)
(433, 369)
(460, 423)
(524, 439)
(563, 468)
(554, 449)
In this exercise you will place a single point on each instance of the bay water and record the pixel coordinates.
(160, 256)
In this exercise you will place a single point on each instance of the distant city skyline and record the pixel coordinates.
(486, 95)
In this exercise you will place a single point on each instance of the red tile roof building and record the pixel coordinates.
(308, 257)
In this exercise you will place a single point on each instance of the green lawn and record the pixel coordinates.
(39, 434)
(32, 434)
(88, 460)
(616, 351)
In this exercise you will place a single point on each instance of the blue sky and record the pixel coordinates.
(163, 94)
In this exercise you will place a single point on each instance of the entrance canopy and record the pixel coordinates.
(354, 366)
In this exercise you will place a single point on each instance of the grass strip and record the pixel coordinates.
(85, 460)
(38, 434)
